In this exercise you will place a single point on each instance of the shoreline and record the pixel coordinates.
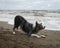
(44, 29)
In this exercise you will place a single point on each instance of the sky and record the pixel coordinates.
(30, 4)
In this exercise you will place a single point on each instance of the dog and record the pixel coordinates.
(27, 27)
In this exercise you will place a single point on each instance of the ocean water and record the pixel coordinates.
(51, 23)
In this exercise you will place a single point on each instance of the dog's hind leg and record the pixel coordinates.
(15, 27)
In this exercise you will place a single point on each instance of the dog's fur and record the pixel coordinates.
(26, 26)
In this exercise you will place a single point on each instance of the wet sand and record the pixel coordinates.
(21, 40)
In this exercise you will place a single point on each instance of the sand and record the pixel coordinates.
(21, 40)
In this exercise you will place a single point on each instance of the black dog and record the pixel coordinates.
(26, 26)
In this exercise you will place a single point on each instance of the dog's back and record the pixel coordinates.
(19, 20)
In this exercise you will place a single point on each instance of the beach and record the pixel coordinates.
(21, 40)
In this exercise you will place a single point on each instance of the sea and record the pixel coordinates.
(51, 22)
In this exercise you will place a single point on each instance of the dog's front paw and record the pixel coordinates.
(35, 35)
(43, 36)
(38, 36)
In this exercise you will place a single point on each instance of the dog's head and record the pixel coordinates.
(39, 26)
